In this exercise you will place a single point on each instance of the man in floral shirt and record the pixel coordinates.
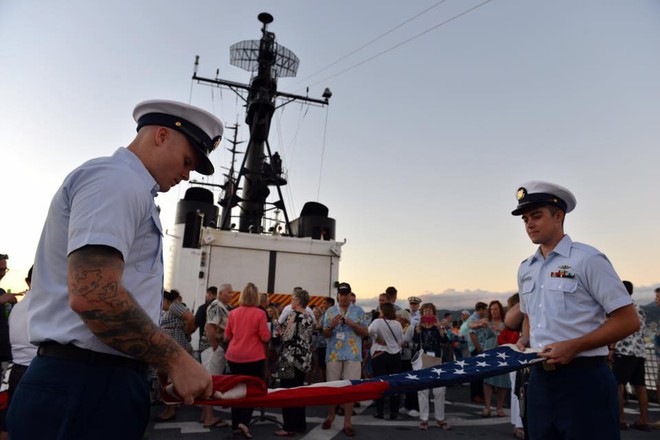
(344, 326)
(629, 359)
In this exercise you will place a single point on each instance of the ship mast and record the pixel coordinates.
(229, 198)
(260, 168)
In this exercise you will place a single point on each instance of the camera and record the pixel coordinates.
(429, 319)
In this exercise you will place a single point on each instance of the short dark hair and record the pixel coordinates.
(4, 257)
(629, 287)
(513, 300)
(387, 310)
(391, 291)
(480, 306)
(330, 300)
(213, 290)
(171, 295)
(553, 211)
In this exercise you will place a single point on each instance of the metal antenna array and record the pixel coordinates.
(260, 168)
(229, 198)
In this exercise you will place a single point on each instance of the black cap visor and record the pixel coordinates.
(536, 200)
(202, 143)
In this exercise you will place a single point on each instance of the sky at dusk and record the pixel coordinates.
(430, 130)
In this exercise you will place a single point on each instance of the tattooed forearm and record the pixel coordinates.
(110, 311)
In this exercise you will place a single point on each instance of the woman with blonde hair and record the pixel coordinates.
(246, 334)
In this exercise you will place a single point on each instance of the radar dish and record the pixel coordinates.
(265, 18)
(245, 54)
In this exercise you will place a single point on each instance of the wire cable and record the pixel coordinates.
(370, 42)
(467, 11)
(325, 131)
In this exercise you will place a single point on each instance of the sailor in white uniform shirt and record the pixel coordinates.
(98, 283)
(566, 290)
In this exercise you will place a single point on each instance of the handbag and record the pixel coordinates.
(287, 371)
(429, 361)
(416, 360)
(422, 360)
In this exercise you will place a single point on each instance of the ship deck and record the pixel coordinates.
(462, 414)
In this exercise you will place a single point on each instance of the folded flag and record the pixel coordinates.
(251, 392)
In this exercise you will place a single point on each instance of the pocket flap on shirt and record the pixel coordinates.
(567, 285)
(527, 287)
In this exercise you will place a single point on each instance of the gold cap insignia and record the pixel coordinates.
(522, 192)
(177, 123)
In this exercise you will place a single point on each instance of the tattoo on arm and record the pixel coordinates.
(110, 311)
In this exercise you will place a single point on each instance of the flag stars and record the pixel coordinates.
(502, 355)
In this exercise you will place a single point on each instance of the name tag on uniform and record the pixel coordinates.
(431, 353)
(340, 336)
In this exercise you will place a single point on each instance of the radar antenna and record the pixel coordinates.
(260, 168)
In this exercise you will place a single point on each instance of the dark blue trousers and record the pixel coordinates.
(573, 402)
(70, 400)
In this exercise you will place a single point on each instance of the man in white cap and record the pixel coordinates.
(415, 314)
(566, 291)
(97, 286)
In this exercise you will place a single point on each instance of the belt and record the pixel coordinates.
(72, 353)
(19, 368)
(586, 361)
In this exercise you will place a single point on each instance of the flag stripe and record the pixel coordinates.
(494, 362)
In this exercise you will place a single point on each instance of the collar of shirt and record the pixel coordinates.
(128, 157)
(563, 248)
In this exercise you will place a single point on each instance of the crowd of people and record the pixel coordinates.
(298, 344)
(301, 344)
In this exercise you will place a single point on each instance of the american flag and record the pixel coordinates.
(251, 392)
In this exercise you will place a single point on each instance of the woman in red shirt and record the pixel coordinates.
(246, 333)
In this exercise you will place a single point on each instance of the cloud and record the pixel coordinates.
(453, 299)
(450, 299)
